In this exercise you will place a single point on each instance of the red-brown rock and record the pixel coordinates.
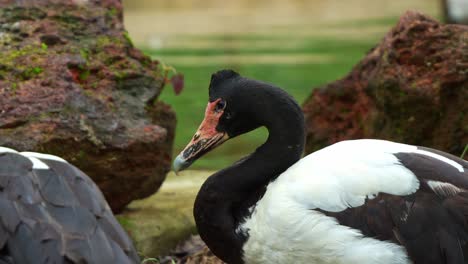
(73, 85)
(412, 88)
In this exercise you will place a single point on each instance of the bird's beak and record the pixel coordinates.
(205, 139)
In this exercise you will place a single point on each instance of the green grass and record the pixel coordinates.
(462, 156)
(380, 21)
(330, 46)
(298, 80)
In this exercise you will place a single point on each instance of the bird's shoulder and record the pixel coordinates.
(344, 174)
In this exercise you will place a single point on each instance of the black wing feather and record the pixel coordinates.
(56, 215)
(3, 236)
(432, 227)
(9, 217)
(54, 189)
(84, 189)
(429, 168)
(24, 247)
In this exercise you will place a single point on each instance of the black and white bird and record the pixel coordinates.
(51, 212)
(360, 201)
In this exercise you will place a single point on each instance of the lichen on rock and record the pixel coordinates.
(72, 84)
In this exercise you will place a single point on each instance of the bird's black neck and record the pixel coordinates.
(223, 201)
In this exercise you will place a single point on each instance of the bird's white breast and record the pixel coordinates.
(285, 226)
(282, 230)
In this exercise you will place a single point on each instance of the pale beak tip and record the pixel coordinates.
(179, 164)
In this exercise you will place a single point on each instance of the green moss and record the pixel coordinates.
(68, 110)
(21, 13)
(385, 56)
(9, 57)
(103, 41)
(44, 46)
(81, 154)
(119, 76)
(5, 38)
(127, 37)
(84, 53)
(4, 71)
(14, 88)
(73, 20)
(37, 70)
(112, 12)
(88, 93)
(30, 73)
(68, 18)
(84, 74)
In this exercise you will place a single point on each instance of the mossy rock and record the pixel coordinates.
(72, 84)
(412, 87)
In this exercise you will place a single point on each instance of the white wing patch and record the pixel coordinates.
(457, 166)
(34, 157)
(444, 189)
(345, 174)
(7, 150)
(42, 156)
(38, 164)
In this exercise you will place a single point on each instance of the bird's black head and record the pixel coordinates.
(235, 95)
(236, 106)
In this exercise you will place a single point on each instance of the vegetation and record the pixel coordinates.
(295, 64)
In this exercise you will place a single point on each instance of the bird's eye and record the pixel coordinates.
(220, 105)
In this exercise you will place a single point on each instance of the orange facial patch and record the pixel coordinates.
(206, 137)
(207, 128)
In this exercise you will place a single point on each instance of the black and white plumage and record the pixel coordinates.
(51, 212)
(359, 201)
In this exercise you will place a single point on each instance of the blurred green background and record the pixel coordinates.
(295, 44)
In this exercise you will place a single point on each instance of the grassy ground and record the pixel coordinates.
(158, 223)
(298, 67)
(295, 44)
